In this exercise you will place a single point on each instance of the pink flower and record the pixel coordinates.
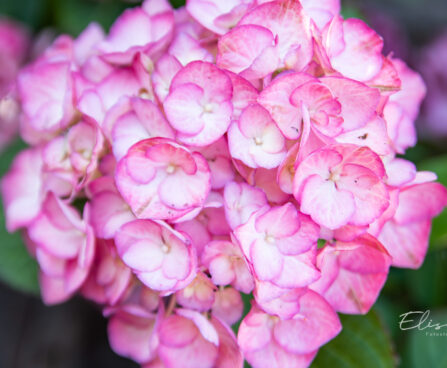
(279, 37)
(268, 341)
(132, 120)
(160, 179)
(22, 190)
(227, 266)
(228, 305)
(402, 108)
(278, 242)
(321, 11)
(210, 147)
(406, 228)
(341, 184)
(132, 327)
(46, 91)
(133, 336)
(190, 339)
(146, 29)
(109, 210)
(241, 201)
(197, 342)
(96, 99)
(109, 277)
(160, 257)
(353, 49)
(198, 295)
(330, 105)
(353, 274)
(65, 248)
(219, 161)
(256, 140)
(218, 17)
(199, 103)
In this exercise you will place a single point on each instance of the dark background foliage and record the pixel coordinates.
(74, 334)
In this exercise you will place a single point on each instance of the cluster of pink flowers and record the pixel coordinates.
(226, 147)
(14, 44)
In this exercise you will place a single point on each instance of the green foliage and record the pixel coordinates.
(72, 16)
(363, 342)
(427, 346)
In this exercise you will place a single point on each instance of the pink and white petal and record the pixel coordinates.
(144, 256)
(362, 57)
(353, 293)
(327, 205)
(184, 109)
(229, 355)
(275, 98)
(289, 27)
(21, 189)
(420, 202)
(130, 336)
(239, 48)
(215, 123)
(267, 261)
(314, 325)
(320, 163)
(182, 191)
(407, 244)
(239, 145)
(358, 101)
(298, 271)
(178, 263)
(373, 135)
(280, 222)
(228, 305)
(399, 172)
(371, 195)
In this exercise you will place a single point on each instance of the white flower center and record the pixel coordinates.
(170, 169)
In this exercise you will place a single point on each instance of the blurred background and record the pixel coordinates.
(75, 334)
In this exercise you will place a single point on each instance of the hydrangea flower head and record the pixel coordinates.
(194, 155)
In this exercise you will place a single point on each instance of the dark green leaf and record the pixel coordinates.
(427, 346)
(73, 16)
(427, 285)
(363, 342)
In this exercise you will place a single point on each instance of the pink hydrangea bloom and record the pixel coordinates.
(190, 156)
(161, 258)
(353, 273)
(268, 341)
(341, 184)
(64, 247)
(161, 179)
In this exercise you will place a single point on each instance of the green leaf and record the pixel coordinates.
(73, 16)
(17, 268)
(426, 347)
(426, 286)
(33, 13)
(177, 3)
(363, 342)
